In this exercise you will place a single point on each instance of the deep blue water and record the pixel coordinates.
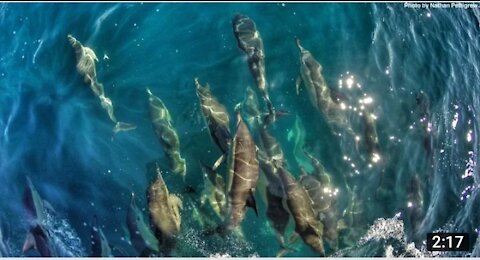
(54, 130)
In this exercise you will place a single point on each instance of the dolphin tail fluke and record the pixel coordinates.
(121, 126)
(29, 242)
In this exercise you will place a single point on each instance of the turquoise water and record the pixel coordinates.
(55, 131)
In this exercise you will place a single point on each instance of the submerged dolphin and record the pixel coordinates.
(428, 135)
(141, 236)
(216, 117)
(323, 200)
(371, 137)
(100, 246)
(250, 41)
(164, 211)
(38, 236)
(415, 210)
(306, 223)
(214, 190)
(86, 61)
(166, 133)
(319, 93)
(243, 177)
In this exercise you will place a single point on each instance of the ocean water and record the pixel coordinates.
(418, 66)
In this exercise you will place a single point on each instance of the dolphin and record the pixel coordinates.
(319, 93)
(371, 137)
(415, 210)
(214, 190)
(166, 133)
(86, 67)
(277, 214)
(323, 199)
(164, 211)
(37, 236)
(243, 177)
(270, 156)
(141, 236)
(100, 246)
(307, 226)
(423, 104)
(216, 117)
(250, 41)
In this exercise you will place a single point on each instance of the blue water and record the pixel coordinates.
(54, 130)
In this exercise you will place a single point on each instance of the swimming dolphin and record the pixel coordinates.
(250, 41)
(307, 226)
(217, 119)
(243, 177)
(323, 200)
(100, 246)
(141, 236)
(270, 156)
(214, 190)
(423, 104)
(277, 214)
(371, 137)
(415, 210)
(86, 67)
(164, 211)
(166, 133)
(319, 93)
(37, 237)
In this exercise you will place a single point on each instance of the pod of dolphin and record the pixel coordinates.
(253, 159)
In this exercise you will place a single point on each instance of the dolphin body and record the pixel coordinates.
(99, 244)
(322, 191)
(164, 209)
(324, 206)
(213, 191)
(217, 119)
(86, 61)
(243, 177)
(371, 136)
(166, 133)
(320, 95)
(269, 157)
(141, 236)
(250, 41)
(415, 210)
(299, 203)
